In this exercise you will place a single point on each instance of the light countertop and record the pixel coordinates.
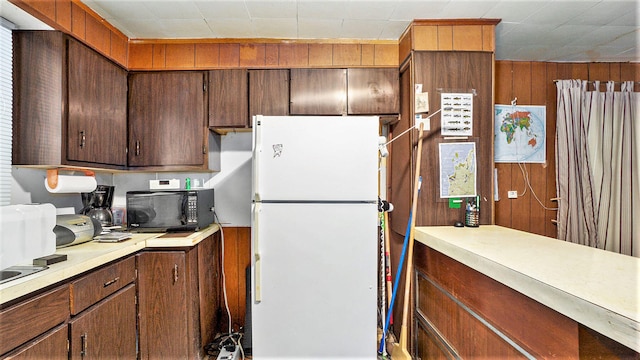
(89, 255)
(599, 289)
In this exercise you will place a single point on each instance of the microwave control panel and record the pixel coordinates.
(192, 209)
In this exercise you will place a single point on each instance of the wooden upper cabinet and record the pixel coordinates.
(97, 120)
(167, 119)
(318, 92)
(373, 91)
(39, 97)
(229, 98)
(268, 92)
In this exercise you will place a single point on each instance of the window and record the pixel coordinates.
(6, 109)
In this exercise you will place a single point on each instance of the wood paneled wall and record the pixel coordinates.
(76, 19)
(448, 35)
(236, 53)
(532, 83)
(237, 256)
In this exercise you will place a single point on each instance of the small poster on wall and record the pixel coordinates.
(457, 114)
(457, 169)
(520, 133)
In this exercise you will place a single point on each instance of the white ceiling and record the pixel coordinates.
(532, 30)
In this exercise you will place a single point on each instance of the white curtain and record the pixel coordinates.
(597, 163)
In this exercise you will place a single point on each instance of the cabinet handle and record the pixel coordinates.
(111, 282)
(83, 351)
(175, 273)
(83, 139)
(137, 147)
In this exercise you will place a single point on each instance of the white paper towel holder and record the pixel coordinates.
(52, 175)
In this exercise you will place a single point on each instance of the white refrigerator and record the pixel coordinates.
(314, 237)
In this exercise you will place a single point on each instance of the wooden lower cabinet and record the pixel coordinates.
(461, 313)
(51, 345)
(22, 324)
(107, 330)
(178, 300)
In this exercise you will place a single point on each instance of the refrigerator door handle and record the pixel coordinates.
(257, 146)
(257, 276)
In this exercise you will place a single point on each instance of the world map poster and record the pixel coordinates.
(520, 133)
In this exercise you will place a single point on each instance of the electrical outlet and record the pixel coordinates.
(513, 194)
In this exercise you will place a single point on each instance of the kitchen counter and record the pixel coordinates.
(597, 288)
(89, 255)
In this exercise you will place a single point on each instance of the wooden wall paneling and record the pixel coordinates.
(44, 7)
(445, 37)
(237, 256)
(630, 72)
(207, 55)
(521, 207)
(488, 37)
(538, 172)
(271, 55)
(98, 36)
(140, 56)
(63, 14)
(180, 56)
(367, 57)
(159, 56)
(386, 55)
(252, 55)
(456, 71)
(293, 55)
(119, 49)
(399, 163)
(425, 37)
(600, 72)
(551, 228)
(614, 72)
(467, 37)
(78, 21)
(229, 55)
(320, 55)
(503, 96)
(346, 54)
(405, 45)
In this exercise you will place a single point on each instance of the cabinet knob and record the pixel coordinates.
(83, 139)
(137, 147)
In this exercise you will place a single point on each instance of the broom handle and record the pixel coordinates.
(414, 206)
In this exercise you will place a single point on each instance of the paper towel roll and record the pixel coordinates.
(73, 184)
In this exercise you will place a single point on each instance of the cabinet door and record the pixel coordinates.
(374, 91)
(162, 294)
(38, 97)
(268, 92)
(166, 119)
(106, 330)
(97, 122)
(318, 92)
(52, 346)
(228, 98)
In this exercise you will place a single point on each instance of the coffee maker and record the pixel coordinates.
(97, 204)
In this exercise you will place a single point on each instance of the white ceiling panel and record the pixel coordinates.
(533, 30)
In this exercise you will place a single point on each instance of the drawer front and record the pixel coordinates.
(26, 320)
(99, 284)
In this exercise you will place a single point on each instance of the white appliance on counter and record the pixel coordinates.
(314, 237)
(26, 233)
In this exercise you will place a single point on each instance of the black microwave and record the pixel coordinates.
(169, 210)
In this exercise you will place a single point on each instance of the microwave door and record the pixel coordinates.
(157, 212)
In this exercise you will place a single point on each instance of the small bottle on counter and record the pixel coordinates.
(187, 184)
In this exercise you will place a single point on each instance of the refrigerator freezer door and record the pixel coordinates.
(317, 281)
(308, 158)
